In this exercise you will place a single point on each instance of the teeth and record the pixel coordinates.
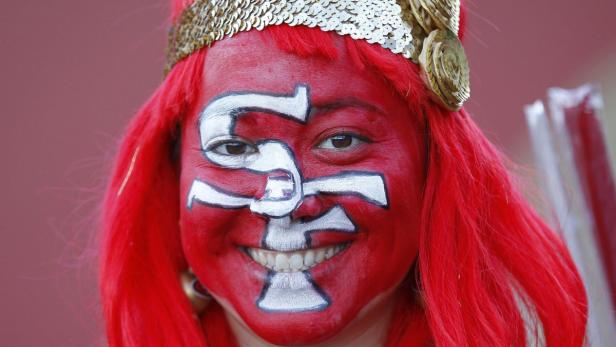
(282, 263)
(262, 259)
(293, 261)
(329, 253)
(320, 256)
(271, 260)
(309, 258)
(296, 262)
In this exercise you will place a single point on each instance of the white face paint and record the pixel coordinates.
(218, 122)
(283, 291)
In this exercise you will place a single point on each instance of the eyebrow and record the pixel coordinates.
(350, 102)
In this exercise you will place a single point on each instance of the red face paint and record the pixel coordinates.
(303, 158)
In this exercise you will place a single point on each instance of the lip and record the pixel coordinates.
(317, 239)
(294, 261)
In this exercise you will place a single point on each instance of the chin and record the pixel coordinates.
(307, 328)
(297, 329)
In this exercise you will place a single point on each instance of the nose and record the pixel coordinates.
(311, 207)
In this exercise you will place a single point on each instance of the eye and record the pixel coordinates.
(232, 147)
(341, 142)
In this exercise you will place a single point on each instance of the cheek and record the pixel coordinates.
(216, 258)
(207, 229)
(393, 237)
(210, 242)
(392, 234)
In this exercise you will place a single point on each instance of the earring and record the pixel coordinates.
(195, 292)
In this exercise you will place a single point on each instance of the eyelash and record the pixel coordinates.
(231, 141)
(356, 140)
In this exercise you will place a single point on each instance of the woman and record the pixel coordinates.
(322, 182)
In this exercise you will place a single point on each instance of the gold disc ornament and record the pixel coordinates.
(445, 68)
(445, 13)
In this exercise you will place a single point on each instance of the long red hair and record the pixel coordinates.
(491, 272)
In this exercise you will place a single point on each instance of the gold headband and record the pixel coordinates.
(424, 31)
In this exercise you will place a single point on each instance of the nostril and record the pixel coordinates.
(310, 208)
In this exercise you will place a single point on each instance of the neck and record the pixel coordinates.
(369, 329)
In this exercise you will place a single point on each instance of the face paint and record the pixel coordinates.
(283, 291)
(300, 192)
(217, 123)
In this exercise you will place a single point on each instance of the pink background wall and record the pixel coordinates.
(73, 72)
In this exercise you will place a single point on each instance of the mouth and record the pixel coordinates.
(294, 261)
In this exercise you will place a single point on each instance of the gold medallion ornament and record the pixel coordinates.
(402, 26)
(437, 14)
(444, 68)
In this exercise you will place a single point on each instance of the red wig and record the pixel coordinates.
(490, 271)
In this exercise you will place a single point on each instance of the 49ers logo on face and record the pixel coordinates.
(291, 290)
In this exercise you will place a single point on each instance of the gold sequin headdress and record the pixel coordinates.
(424, 31)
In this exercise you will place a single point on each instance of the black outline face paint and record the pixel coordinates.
(283, 291)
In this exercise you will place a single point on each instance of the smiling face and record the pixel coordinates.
(301, 181)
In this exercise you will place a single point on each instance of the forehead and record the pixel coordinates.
(248, 62)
